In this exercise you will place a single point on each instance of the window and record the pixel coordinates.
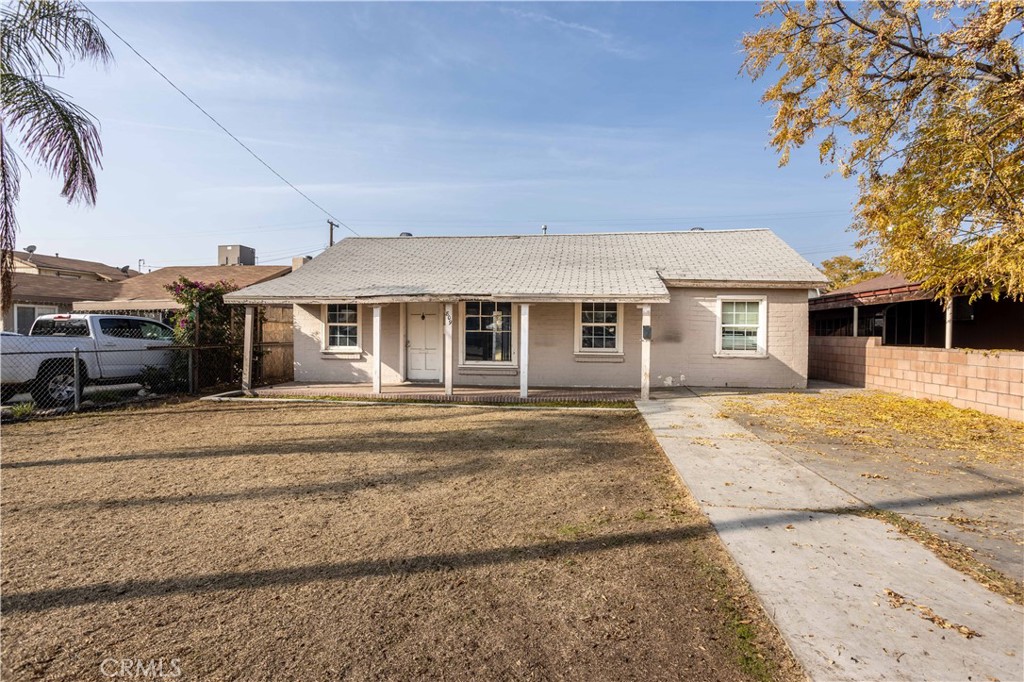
(342, 328)
(25, 315)
(598, 328)
(870, 323)
(119, 328)
(487, 332)
(742, 326)
(905, 323)
(839, 323)
(154, 331)
(70, 327)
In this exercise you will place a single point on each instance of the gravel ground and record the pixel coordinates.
(257, 542)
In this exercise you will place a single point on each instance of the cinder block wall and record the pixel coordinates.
(989, 381)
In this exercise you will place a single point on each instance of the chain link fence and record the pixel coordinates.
(73, 363)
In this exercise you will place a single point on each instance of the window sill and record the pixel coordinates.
(341, 354)
(748, 356)
(489, 370)
(599, 357)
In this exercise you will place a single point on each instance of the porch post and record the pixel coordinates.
(247, 344)
(645, 352)
(449, 350)
(376, 349)
(403, 335)
(949, 322)
(855, 320)
(524, 349)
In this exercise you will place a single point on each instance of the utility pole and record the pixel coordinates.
(332, 225)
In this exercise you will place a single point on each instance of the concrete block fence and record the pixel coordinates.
(989, 381)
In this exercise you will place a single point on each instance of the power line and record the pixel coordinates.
(218, 123)
(292, 255)
(350, 229)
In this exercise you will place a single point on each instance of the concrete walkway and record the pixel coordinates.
(855, 599)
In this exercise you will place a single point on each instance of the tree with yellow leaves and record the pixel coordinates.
(924, 103)
(842, 271)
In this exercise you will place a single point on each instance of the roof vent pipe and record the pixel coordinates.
(544, 229)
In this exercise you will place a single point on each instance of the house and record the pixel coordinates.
(44, 285)
(721, 308)
(147, 295)
(30, 262)
(901, 313)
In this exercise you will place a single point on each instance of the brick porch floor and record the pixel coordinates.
(435, 393)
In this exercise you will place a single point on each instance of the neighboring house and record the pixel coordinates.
(69, 268)
(708, 308)
(888, 333)
(147, 295)
(900, 313)
(44, 285)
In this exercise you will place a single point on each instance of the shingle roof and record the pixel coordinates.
(882, 282)
(103, 270)
(146, 292)
(30, 288)
(619, 266)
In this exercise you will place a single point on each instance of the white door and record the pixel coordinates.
(423, 342)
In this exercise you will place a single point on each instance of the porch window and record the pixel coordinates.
(742, 326)
(598, 328)
(342, 327)
(487, 332)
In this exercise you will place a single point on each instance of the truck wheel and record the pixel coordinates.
(55, 384)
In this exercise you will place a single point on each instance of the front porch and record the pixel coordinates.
(469, 351)
(437, 393)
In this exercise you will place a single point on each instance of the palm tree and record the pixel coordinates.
(37, 39)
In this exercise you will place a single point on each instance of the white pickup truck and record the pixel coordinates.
(112, 349)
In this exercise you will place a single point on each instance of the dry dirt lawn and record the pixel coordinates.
(314, 542)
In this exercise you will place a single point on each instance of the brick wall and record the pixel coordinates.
(988, 381)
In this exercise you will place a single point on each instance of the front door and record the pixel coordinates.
(423, 342)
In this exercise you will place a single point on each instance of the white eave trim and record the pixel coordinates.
(122, 304)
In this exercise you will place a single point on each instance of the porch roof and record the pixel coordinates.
(628, 267)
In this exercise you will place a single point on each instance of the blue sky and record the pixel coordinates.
(431, 118)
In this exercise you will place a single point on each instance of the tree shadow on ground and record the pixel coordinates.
(109, 592)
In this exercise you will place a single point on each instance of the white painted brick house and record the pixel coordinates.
(699, 308)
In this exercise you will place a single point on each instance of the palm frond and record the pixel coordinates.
(10, 185)
(60, 134)
(37, 33)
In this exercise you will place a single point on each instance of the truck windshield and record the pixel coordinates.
(49, 327)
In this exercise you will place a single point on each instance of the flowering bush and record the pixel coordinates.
(204, 318)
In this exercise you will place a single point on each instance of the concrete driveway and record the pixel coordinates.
(977, 503)
(855, 599)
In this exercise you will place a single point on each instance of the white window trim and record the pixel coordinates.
(619, 341)
(358, 348)
(762, 328)
(463, 362)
